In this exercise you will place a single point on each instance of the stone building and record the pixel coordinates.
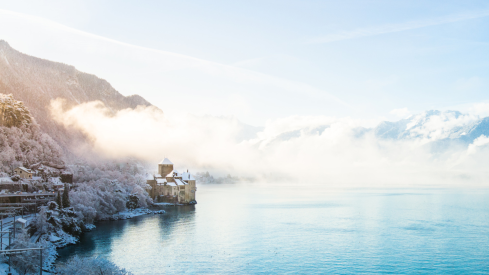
(23, 172)
(169, 185)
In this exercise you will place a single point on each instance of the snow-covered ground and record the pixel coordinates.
(6, 225)
(4, 269)
(164, 204)
(134, 213)
(61, 239)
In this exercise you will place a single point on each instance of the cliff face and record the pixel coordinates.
(37, 81)
(13, 112)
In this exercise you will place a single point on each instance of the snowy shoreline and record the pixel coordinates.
(65, 239)
(124, 215)
(60, 239)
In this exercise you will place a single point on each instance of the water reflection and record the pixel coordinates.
(249, 229)
(135, 242)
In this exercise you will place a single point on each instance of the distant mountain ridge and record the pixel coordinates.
(438, 130)
(445, 125)
(37, 81)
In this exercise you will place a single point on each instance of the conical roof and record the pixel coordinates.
(166, 161)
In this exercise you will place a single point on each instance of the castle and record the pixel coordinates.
(169, 185)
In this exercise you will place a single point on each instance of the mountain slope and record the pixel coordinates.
(37, 81)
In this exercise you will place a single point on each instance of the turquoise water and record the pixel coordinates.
(253, 229)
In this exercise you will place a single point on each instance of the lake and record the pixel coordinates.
(271, 228)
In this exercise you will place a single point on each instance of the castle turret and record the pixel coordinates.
(165, 167)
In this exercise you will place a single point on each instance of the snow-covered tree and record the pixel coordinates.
(52, 219)
(26, 262)
(41, 221)
(90, 266)
(132, 202)
(13, 113)
(22, 143)
(103, 187)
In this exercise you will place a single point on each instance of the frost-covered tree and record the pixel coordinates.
(132, 202)
(52, 219)
(41, 221)
(13, 113)
(22, 143)
(90, 266)
(26, 262)
(103, 187)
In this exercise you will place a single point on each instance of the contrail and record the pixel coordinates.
(391, 28)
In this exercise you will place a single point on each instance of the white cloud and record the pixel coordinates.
(477, 144)
(480, 109)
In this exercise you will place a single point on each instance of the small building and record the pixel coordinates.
(20, 224)
(58, 185)
(67, 177)
(23, 172)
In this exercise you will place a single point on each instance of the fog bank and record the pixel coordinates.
(314, 149)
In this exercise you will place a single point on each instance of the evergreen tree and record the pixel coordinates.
(66, 196)
(58, 200)
(132, 202)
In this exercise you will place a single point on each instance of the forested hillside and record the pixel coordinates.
(22, 143)
(36, 82)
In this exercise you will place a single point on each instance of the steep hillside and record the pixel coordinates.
(22, 143)
(36, 82)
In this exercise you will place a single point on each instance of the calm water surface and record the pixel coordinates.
(261, 228)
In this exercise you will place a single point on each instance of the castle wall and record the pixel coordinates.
(192, 190)
(152, 192)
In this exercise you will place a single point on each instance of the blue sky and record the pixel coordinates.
(260, 60)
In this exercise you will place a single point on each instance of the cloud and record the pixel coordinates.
(309, 150)
(392, 28)
(477, 144)
(480, 109)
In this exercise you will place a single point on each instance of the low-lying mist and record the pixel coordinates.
(301, 149)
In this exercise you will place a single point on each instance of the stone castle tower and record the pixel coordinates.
(165, 167)
(169, 185)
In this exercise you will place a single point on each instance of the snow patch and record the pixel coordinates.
(124, 215)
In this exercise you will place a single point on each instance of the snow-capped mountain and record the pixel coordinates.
(436, 129)
(435, 125)
(431, 125)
